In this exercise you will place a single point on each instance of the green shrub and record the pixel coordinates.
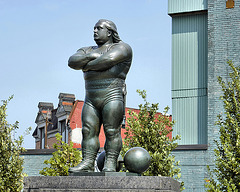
(226, 174)
(65, 157)
(149, 130)
(11, 164)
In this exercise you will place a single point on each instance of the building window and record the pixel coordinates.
(42, 138)
(64, 131)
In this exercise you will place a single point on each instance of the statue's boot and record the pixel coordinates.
(87, 163)
(110, 164)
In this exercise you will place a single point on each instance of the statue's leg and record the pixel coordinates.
(90, 143)
(112, 119)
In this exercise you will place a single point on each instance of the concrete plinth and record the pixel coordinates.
(108, 174)
(100, 184)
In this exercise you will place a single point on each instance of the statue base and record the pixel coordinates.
(108, 174)
(100, 184)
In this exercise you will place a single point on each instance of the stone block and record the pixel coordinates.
(100, 183)
(114, 174)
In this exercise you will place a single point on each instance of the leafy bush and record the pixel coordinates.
(65, 157)
(149, 130)
(11, 169)
(226, 174)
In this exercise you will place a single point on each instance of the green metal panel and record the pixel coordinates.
(190, 116)
(189, 77)
(182, 6)
(189, 52)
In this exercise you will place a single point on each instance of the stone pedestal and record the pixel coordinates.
(108, 174)
(100, 184)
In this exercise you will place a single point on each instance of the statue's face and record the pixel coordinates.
(101, 33)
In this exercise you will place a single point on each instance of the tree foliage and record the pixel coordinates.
(226, 174)
(11, 164)
(149, 130)
(65, 157)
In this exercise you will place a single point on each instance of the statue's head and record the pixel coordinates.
(105, 29)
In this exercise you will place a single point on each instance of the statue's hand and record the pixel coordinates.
(92, 56)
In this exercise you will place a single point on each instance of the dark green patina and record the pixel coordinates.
(105, 67)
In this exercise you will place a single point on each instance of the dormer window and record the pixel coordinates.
(55, 121)
(42, 137)
(64, 131)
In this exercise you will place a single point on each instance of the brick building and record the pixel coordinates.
(205, 35)
(66, 120)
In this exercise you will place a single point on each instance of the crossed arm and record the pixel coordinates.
(95, 61)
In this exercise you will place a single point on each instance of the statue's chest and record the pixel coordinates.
(101, 50)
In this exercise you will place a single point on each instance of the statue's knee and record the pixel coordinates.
(85, 131)
(111, 133)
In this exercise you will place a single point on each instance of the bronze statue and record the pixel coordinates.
(105, 67)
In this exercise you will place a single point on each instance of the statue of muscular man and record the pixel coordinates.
(105, 67)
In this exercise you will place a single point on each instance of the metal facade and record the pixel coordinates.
(182, 6)
(189, 77)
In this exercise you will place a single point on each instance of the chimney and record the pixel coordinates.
(45, 108)
(66, 99)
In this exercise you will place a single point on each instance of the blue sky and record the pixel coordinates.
(37, 38)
